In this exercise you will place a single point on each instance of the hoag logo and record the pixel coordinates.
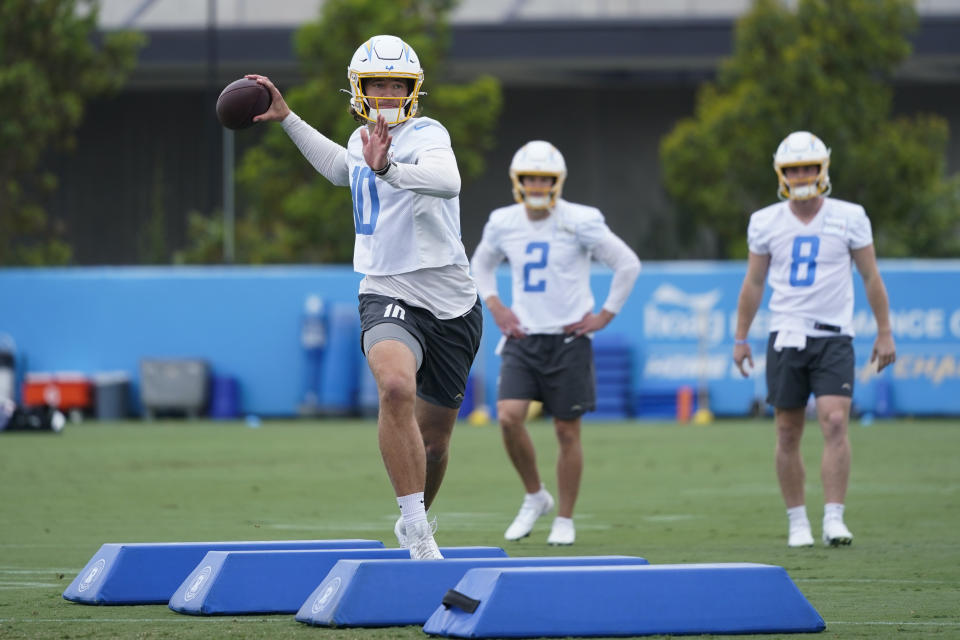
(92, 575)
(326, 595)
(198, 581)
(674, 314)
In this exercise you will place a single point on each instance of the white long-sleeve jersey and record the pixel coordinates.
(550, 263)
(407, 222)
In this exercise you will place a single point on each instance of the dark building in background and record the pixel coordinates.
(604, 91)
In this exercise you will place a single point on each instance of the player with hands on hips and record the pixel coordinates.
(420, 315)
(805, 246)
(546, 349)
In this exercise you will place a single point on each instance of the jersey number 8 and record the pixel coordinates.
(803, 269)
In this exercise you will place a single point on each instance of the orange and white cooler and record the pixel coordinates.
(65, 390)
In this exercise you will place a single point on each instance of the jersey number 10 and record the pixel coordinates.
(360, 176)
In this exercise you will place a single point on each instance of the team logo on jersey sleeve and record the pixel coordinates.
(835, 226)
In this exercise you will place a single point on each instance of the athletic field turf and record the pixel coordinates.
(673, 494)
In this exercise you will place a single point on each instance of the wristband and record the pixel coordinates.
(739, 341)
(383, 171)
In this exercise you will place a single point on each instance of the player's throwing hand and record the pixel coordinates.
(278, 107)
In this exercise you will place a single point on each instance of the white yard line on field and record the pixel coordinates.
(27, 585)
(878, 580)
(12, 571)
(884, 623)
(184, 619)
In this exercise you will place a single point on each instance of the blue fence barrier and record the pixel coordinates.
(246, 322)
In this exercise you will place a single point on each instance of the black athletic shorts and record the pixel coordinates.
(824, 367)
(449, 346)
(557, 370)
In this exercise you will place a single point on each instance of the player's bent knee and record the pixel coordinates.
(396, 390)
(510, 416)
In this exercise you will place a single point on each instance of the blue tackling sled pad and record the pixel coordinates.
(149, 573)
(247, 582)
(624, 601)
(384, 593)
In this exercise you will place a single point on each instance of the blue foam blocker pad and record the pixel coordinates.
(247, 582)
(149, 573)
(624, 601)
(384, 593)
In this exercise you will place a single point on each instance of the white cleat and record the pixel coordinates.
(421, 543)
(562, 532)
(835, 533)
(800, 536)
(532, 508)
(400, 530)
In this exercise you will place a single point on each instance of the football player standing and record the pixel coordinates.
(547, 353)
(805, 246)
(420, 314)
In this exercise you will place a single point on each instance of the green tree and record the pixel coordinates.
(51, 64)
(824, 67)
(293, 214)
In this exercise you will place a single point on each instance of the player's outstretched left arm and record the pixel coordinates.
(884, 350)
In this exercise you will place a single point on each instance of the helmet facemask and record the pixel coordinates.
(536, 199)
(370, 107)
(803, 188)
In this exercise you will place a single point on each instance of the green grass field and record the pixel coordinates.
(673, 494)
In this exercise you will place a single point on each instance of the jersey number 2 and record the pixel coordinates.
(544, 249)
(363, 175)
(803, 269)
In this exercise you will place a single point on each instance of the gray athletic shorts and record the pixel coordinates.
(554, 369)
(824, 367)
(448, 347)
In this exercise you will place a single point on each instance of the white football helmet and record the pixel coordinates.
(384, 57)
(798, 149)
(538, 158)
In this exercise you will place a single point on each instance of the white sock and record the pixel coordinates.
(539, 495)
(798, 517)
(559, 520)
(411, 508)
(833, 510)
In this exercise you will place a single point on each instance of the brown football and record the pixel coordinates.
(240, 101)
